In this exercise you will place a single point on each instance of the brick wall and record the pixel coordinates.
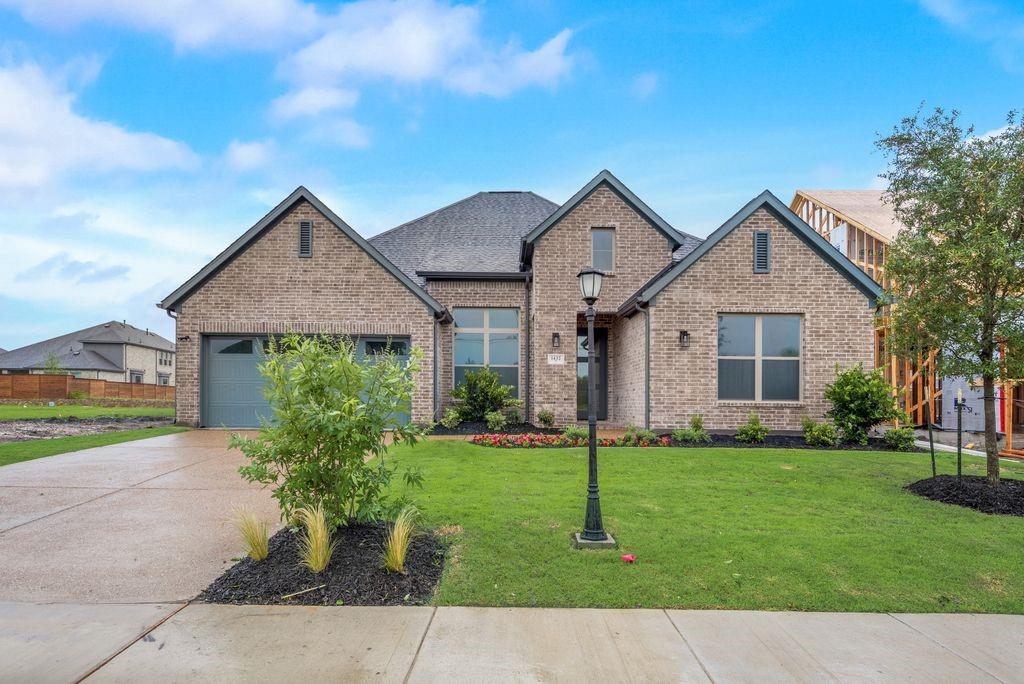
(477, 294)
(626, 380)
(837, 327)
(640, 252)
(267, 288)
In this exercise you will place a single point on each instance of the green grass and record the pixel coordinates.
(16, 412)
(13, 452)
(715, 528)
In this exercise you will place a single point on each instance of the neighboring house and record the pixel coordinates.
(754, 318)
(110, 351)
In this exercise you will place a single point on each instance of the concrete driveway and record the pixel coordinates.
(144, 521)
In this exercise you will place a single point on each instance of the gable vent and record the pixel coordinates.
(305, 238)
(762, 252)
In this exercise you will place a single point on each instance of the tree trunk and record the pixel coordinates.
(991, 437)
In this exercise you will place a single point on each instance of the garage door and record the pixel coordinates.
(232, 387)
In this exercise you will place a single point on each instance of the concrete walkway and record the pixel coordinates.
(179, 643)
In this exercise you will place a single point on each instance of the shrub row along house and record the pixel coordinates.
(754, 318)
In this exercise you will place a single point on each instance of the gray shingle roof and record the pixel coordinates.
(481, 233)
(71, 353)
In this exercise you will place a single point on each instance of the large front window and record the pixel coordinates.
(487, 337)
(758, 357)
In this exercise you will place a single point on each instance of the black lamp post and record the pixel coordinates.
(593, 534)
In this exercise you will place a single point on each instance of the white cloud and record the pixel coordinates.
(248, 156)
(43, 138)
(343, 132)
(312, 101)
(644, 85)
(190, 24)
(1002, 29)
(420, 41)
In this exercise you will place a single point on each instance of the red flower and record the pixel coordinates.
(628, 558)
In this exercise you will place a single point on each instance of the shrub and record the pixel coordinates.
(315, 545)
(253, 532)
(482, 392)
(637, 437)
(77, 396)
(546, 418)
(695, 434)
(396, 546)
(451, 418)
(495, 420)
(576, 432)
(860, 400)
(819, 434)
(900, 439)
(753, 431)
(514, 416)
(331, 416)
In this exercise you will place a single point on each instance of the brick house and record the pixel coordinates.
(754, 318)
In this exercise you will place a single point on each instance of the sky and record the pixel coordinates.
(140, 138)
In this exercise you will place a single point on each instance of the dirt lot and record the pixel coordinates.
(18, 430)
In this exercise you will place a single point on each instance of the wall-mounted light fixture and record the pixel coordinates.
(183, 338)
(684, 339)
(556, 340)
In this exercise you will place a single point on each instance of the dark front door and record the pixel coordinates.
(601, 368)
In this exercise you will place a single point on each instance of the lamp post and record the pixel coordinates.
(593, 534)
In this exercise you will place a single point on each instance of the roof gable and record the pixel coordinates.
(618, 187)
(235, 248)
(864, 283)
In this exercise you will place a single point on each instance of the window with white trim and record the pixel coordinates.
(487, 338)
(759, 357)
(602, 249)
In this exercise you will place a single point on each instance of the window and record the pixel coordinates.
(136, 377)
(305, 238)
(758, 357)
(762, 252)
(163, 379)
(382, 347)
(163, 358)
(602, 249)
(487, 337)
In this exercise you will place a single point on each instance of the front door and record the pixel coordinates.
(601, 367)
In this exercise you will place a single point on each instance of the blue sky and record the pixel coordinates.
(138, 139)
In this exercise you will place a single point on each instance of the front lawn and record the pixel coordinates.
(715, 528)
(13, 452)
(18, 412)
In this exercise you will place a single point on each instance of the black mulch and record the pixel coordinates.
(794, 442)
(354, 577)
(480, 428)
(974, 492)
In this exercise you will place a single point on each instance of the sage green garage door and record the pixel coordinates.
(232, 387)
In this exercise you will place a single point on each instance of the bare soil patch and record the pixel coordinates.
(354, 577)
(50, 428)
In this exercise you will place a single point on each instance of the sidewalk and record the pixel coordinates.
(179, 642)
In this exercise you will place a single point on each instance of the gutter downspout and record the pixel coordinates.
(647, 363)
(437, 371)
(529, 352)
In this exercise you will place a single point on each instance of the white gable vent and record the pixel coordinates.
(762, 252)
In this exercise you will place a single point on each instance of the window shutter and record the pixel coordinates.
(762, 252)
(305, 238)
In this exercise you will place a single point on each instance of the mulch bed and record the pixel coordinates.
(974, 492)
(354, 577)
(50, 428)
(480, 428)
(793, 442)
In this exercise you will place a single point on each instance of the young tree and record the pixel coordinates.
(52, 366)
(957, 272)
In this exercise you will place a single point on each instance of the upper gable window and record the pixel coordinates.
(602, 249)
(305, 238)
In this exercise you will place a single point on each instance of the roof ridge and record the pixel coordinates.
(428, 214)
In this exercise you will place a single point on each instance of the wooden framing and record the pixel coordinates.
(915, 383)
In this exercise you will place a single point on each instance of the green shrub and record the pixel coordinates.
(819, 434)
(574, 432)
(482, 392)
(753, 431)
(77, 396)
(860, 400)
(637, 437)
(900, 439)
(695, 434)
(451, 418)
(496, 421)
(546, 418)
(330, 412)
(513, 415)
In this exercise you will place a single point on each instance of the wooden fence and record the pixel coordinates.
(62, 386)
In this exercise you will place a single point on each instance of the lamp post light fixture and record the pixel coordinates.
(593, 534)
(684, 339)
(556, 340)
